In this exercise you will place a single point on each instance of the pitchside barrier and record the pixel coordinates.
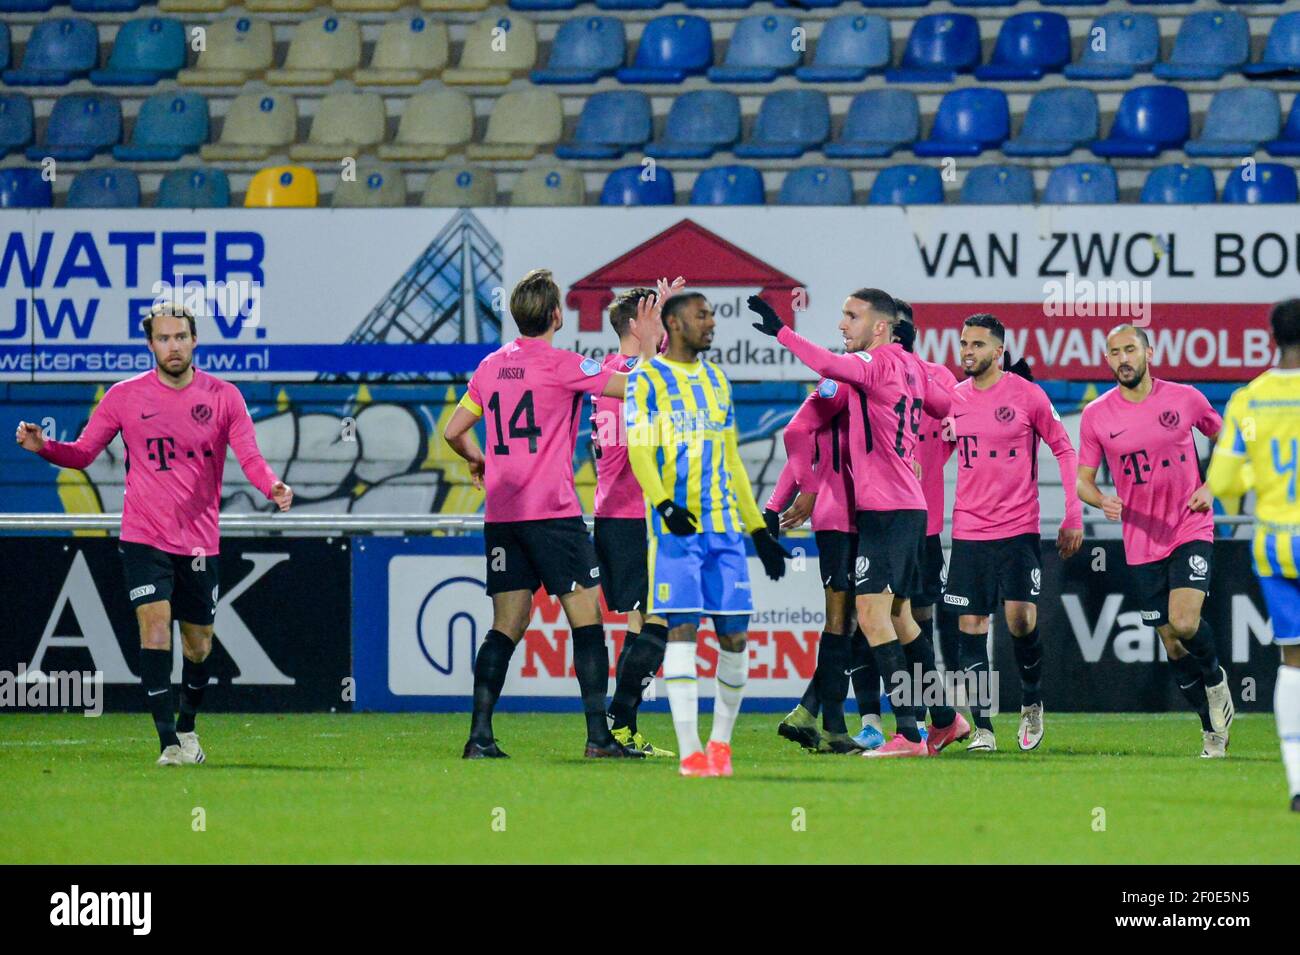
(385, 612)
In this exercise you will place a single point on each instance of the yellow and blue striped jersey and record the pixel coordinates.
(1259, 446)
(682, 444)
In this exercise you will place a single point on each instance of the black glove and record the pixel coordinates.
(1018, 367)
(772, 554)
(771, 322)
(773, 521)
(679, 520)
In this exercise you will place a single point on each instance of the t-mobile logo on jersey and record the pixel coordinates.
(1136, 466)
(967, 447)
(161, 450)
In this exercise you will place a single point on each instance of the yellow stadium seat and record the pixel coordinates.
(461, 186)
(442, 6)
(368, 6)
(345, 124)
(408, 51)
(549, 186)
(194, 6)
(374, 187)
(520, 123)
(280, 6)
(432, 125)
(282, 186)
(497, 48)
(256, 125)
(236, 51)
(321, 50)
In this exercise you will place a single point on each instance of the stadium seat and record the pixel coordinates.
(728, 186)
(849, 48)
(585, 49)
(80, 126)
(1081, 183)
(521, 123)
(1281, 55)
(1029, 46)
(671, 49)
(611, 123)
(280, 6)
(895, 3)
(878, 122)
(282, 186)
(1238, 122)
(549, 186)
(1058, 122)
(26, 6)
(817, 186)
(998, 185)
(107, 6)
(940, 46)
(57, 52)
(238, 50)
(345, 124)
(1179, 184)
(527, 5)
(24, 188)
(195, 6)
(367, 6)
(807, 4)
(193, 189)
(907, 185)
(629, 187)
(1269, 182)
(169, 126)
(699, 124)
(321, 51)
(104, 189)
(145, 51)
(1149, 119)
(1209, 44)
(409, 51)
(462, 186)
(497, 48)
(374, 187)
(630, 4)
(17, 123)
(968, 122)
(6, 47)
(443, 6)
(760, 50)
(789, 123)
(431, 125)
(1288, 144)
(256, 125)
(1129, 44)
(719, 4)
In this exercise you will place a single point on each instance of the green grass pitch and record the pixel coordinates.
(392, 788)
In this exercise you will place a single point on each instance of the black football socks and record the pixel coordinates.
(1187, 673)
(489, 676)
(156, 674)
(973, 650)
(866, 678)
(1029, 660)
(591, 663)
(832, 679)
(949, 640)
(920, 652)
(892, 664)
(629, 638)
(194, 680)
(641, 662)
(1201, 646)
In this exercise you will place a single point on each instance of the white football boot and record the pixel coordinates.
(1221, 709)
(981, 741)
(171, 756)
(1031, 727)
(1215, 745)
(190, 748)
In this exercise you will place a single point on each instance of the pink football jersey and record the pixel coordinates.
(932, 452)
(817, 458)
(617, 492)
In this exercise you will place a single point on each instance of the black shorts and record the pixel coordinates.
(889, 551)
(1189, 565)
(621, 553)
(836, 551)
(189, 582)
(929, 588)
(983, 574)
(523, 555)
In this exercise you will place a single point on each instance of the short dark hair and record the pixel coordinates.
(880, 301)
(985, 320)
(171, 309)
(904, 310)
(1285, 319)
(623, 310)
(678, 302)
(533, 303)
(1128, 327)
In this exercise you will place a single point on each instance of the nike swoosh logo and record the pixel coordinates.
(854, 670)
(1116, 434)
(156, 692)
(962, 415)
(146, 417)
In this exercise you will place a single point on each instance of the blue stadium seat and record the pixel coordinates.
(1208, 45)
(878, 122)
(728, 186)
(1074, 3)
(850, 47)
(80, 125)
(789, 123)
(1281, 51)
(24, 188)
(104, 189)
(808, 4)
(998, 185)
(1288, 144)
(895, 3)
(1131, 45)
(719, 4)
(760, 50)
(968, 122)
(1029, 46)
(17, 123)
(1238, 122)
(6, 46)
(817, 186)
(1179, 184)
(169, 126)
(145, 51)
(625, 187)
(630, 4)
(543, 4)
(699, 124)
(671, 49)
(610, 124)
(57, 52)
(1081, 182)
(908, 185)
(1058, 122)
(585, 49)
(107, 6)
(1149, 119)
(1270, 182)
(940, 46)
(984, 3)
(26, 6)
(193, 189)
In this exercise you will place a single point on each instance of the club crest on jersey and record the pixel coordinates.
(828, 388)
(590, 367)
(201, 413)
(1169, 419)
(1005, 413)
(1199, 565)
